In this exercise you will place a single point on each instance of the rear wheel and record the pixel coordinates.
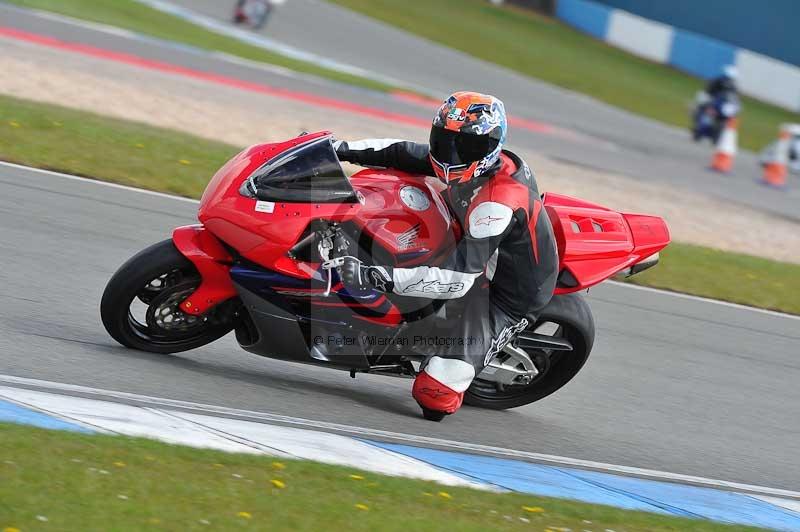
(140, 305)
(568, 317)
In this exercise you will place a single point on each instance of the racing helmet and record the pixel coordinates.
(467, 136)
(730, 72)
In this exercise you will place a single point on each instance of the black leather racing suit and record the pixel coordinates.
(504, 267)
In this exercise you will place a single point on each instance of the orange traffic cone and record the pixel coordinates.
(775, 170)
(726, 147)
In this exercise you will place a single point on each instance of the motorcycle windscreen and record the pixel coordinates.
(309, 173)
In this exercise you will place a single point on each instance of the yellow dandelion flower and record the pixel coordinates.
(278, 465)
(245, 515)
(139, 145)
(277, 483)
(11, 529)
(427, 493)
(362, 507)
(13, 123)
(356, 477)
(533, 509)
(445, 495)
(185, 162)
(120, 464)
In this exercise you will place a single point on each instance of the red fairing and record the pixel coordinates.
(403, 213)
(406, 215)
(595, 243)
(212, 262)
(434, 395)
(262, 236)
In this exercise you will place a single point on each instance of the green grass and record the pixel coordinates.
(81, 143)
(543, 48)
(132, 15)
(100, 482)
(727, 276)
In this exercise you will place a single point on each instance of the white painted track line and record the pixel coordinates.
(228, 434)
(411, 439)
(96, 182)
(665, 293)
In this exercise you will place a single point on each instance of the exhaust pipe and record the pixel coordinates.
(639, 267)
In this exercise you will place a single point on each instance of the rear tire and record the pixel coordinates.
(159, 277)
(574, 316)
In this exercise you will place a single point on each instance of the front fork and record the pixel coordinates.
(212, 261)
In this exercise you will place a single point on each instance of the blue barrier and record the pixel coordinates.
(589, 17)
(700, 55)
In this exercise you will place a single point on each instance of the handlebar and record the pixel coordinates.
(302, 244)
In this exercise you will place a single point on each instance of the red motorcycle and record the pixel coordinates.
(277, 219)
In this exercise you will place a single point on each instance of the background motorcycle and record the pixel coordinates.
(275, 222)
(254, 13)
(710, 114)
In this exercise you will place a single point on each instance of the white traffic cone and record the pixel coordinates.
(726, 147)
(775, 170)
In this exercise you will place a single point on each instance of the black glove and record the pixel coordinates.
(342, 151)
(354, 274)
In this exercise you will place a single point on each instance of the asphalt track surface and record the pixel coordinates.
(674, 383)
(609, 139)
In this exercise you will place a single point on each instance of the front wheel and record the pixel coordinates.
(140, 305)
(566, 317)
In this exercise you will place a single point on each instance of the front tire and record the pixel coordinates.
(572, 319)
(140, 305)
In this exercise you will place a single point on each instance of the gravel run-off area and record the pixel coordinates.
(243, 118)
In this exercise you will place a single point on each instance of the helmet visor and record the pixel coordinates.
(455, 148)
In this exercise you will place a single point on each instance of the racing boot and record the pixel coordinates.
(439, 388)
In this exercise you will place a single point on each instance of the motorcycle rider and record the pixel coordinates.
(507, 239)
(240, 12)
(718, 102)
(724, 83)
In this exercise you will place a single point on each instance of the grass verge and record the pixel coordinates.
(80, 143)
(543, 48)
(137, 17)
(101, 482)
(129, 153)
(733, 277)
